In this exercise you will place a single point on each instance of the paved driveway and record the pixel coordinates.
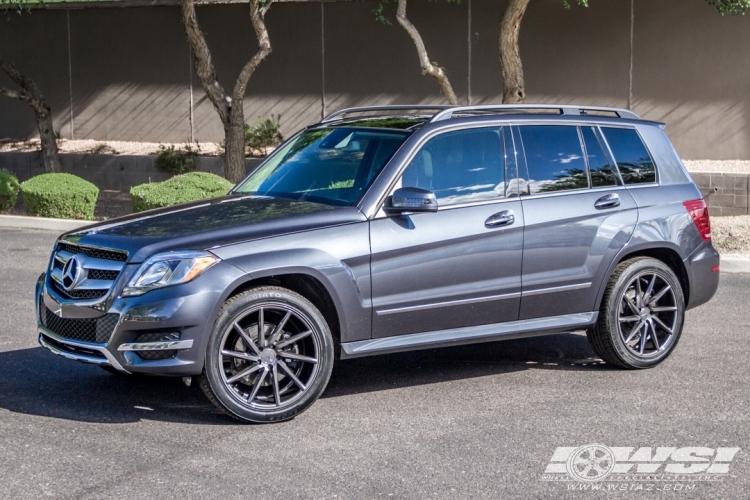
(480, 421)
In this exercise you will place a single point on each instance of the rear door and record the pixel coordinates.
(578, 215)
(460, 266)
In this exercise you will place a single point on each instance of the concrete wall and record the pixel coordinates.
(128, 73)
(725, 194)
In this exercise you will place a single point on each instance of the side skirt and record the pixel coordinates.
(469, 335)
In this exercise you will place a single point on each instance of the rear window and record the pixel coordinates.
(631, 155)
(554, 158)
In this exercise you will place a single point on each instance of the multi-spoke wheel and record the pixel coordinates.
(641, 316)
(269, 357)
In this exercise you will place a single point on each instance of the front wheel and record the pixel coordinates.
(269, 357)
(641, 316)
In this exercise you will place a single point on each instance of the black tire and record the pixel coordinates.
(236, 347)
(631, 317)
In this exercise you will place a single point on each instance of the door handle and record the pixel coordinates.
(504, 218)
(607, 201)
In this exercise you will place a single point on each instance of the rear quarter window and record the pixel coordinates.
(632, 158)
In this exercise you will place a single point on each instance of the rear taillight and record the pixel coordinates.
(699, 212)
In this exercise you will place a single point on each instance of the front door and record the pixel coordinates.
(460, 266)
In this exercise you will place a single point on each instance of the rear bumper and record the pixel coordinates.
(702, 267)
(163, 332)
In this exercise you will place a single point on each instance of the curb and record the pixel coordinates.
(24, 222)
(730, 265)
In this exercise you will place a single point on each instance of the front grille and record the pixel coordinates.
(97, 253)
(99, 274)
(80, 294)
(97, 330)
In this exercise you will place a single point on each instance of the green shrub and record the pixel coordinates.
(62, 196)
(265, 134)
(8, 190)
(181, 189)
(176, 161)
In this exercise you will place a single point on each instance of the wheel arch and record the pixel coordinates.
(664, 253)
(307, 285)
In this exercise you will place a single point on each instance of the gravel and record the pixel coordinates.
(726, 166)
(89, 146)
(731, 236)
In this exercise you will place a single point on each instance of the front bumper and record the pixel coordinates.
(162, 332)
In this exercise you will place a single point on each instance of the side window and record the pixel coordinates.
(633, 160)
(460, 167)
(602, 171)
(554, 158)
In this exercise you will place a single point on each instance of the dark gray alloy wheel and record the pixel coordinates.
(642, 314)
(269, 357)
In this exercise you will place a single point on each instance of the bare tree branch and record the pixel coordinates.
(257, 17)
(428, 67)
(204, 66)
(21, 96)
(514, 88)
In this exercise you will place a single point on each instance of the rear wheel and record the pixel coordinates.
(641, 316)
(269, 357)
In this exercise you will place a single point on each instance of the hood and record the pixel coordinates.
(210, 223)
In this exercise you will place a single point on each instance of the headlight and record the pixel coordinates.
(170, 268)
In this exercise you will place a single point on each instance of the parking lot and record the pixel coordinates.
(479, 421)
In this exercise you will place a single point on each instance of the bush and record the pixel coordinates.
(176, 161)
(8, 190)
(181, 189)
(265, 134)
(62, 196)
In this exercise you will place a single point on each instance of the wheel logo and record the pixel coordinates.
(592, 462)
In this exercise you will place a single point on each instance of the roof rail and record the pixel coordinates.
(339, 115)
(564, 109)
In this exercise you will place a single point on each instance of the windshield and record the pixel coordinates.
(334, 166)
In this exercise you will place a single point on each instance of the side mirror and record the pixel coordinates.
(411, 200)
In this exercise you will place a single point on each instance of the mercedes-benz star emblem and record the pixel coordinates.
(71, 273)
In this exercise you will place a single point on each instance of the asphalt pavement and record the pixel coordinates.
(479, 421)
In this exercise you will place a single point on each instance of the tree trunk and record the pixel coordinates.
(234, 145)
(514, 90)
(30, 94)
(428, 67)
(229, 108)
(49, 141)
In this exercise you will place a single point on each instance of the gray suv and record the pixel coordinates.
(391, 229)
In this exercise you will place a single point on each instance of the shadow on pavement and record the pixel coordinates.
(378, 373)
(36, 382)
